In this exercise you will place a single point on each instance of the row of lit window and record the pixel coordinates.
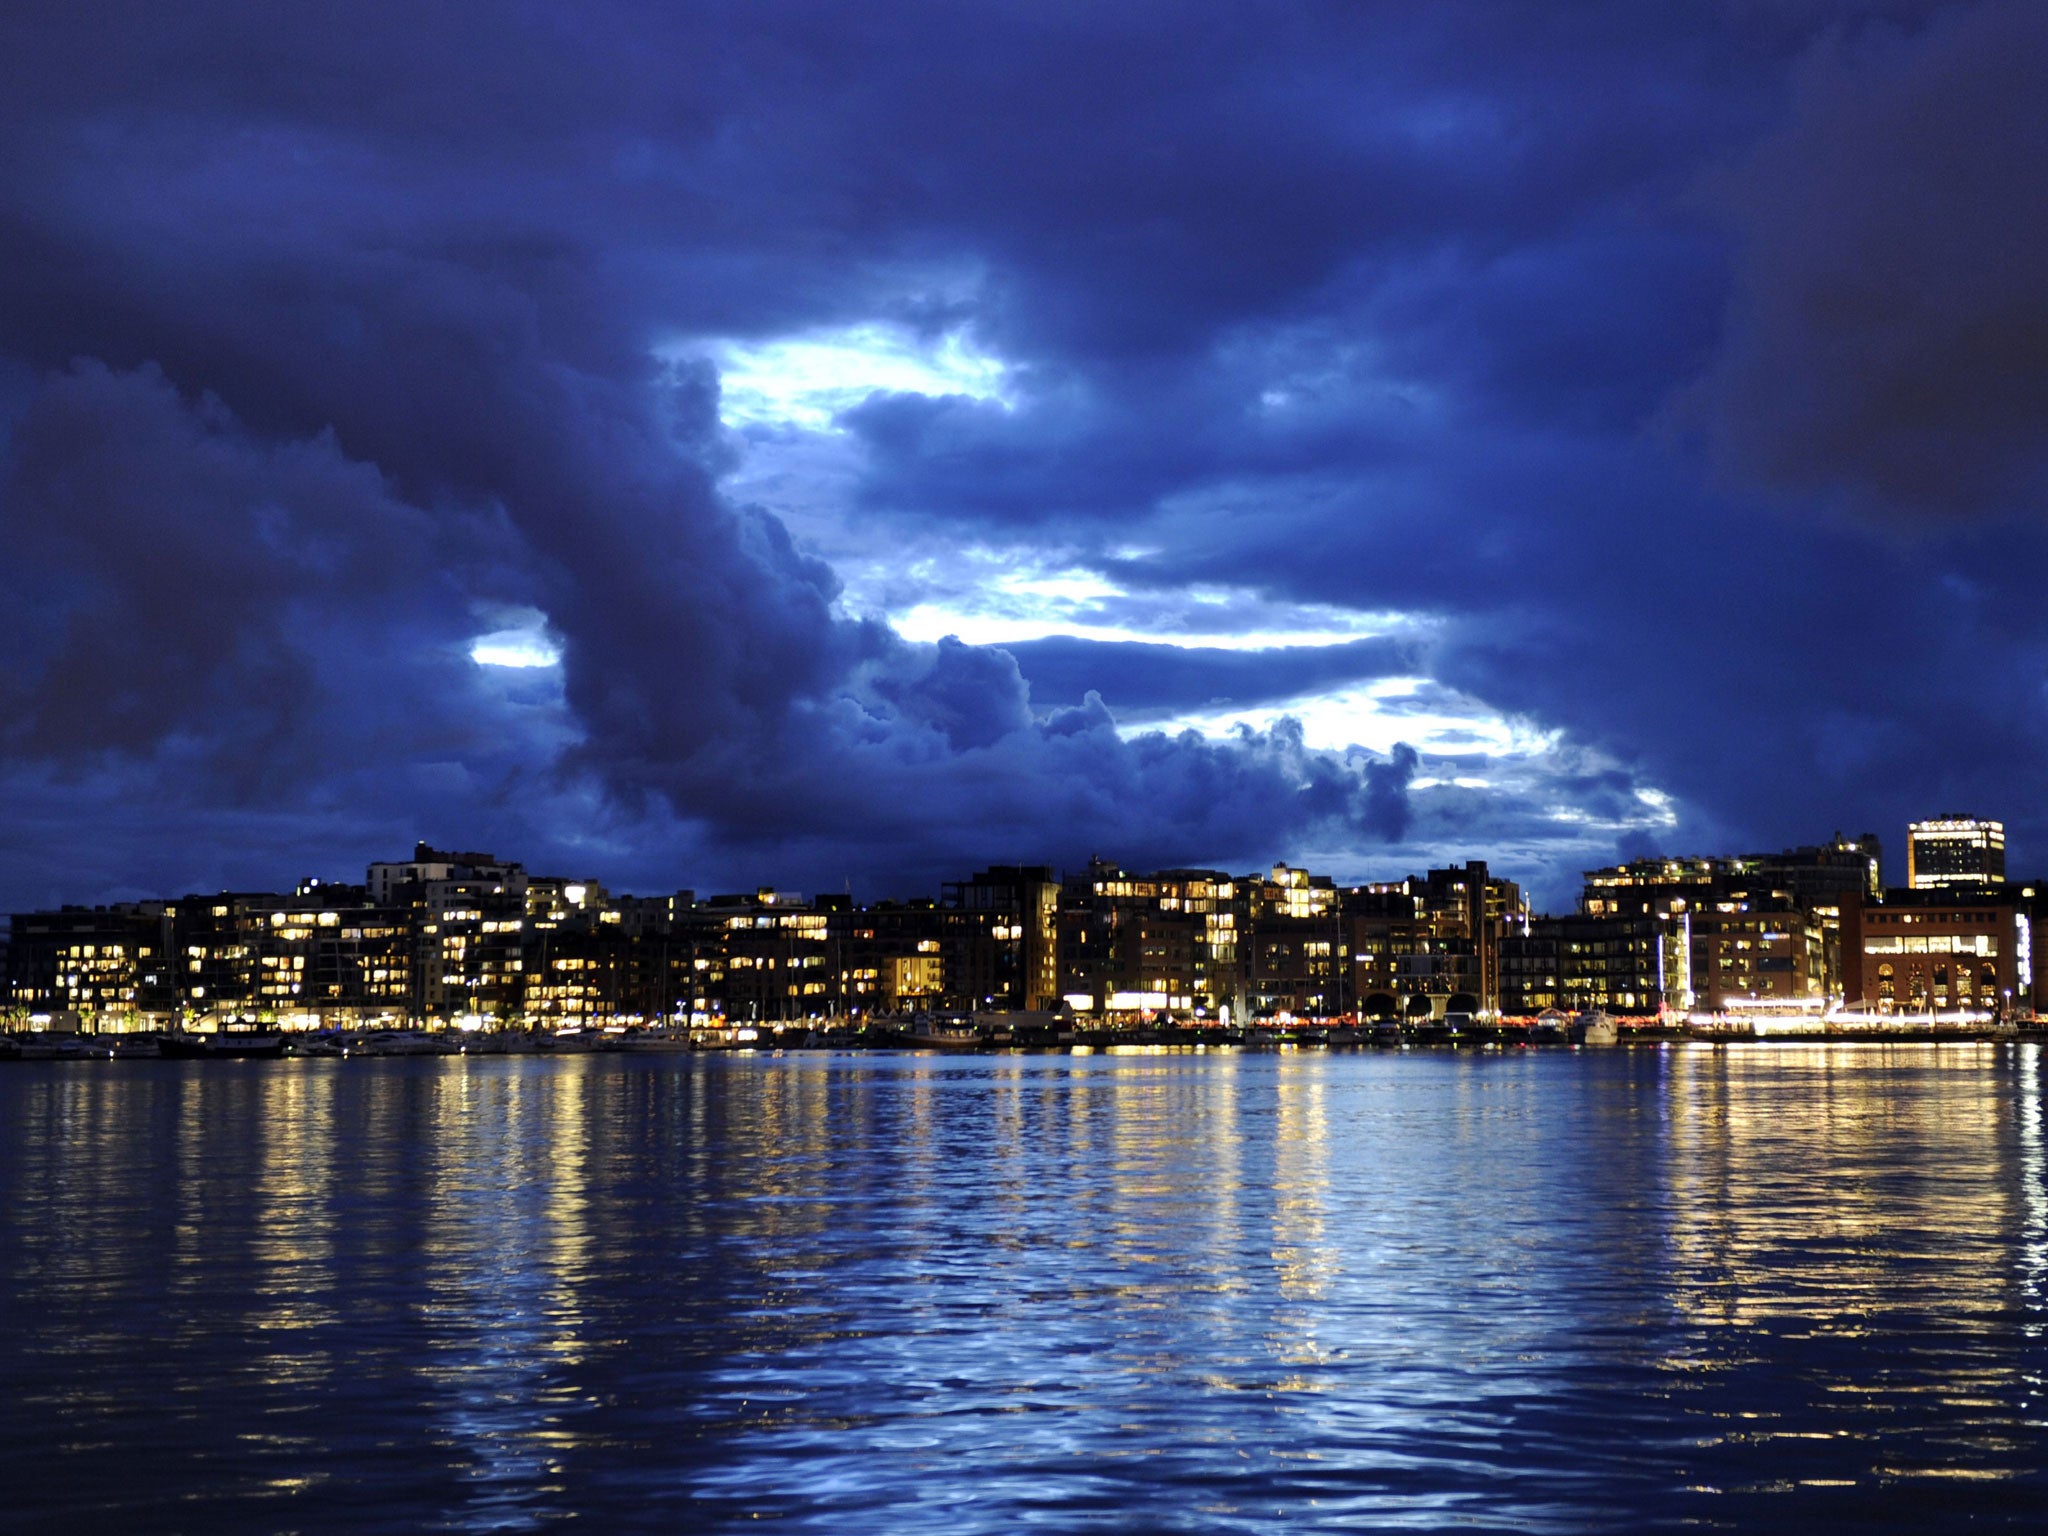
(1931, 944)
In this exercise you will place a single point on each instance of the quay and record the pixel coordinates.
(996, 1033)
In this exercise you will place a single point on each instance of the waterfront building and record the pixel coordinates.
(1954, 850)
(468, 913)
(321, 956)
(1135, 945)
(1470, 910)
(1295, 965)
(1631, 965)
(776, 952)
(1430, 945)
(888, 958)
(573, 975)
(696, 940)
(672, 977)
(576, 957)
(1820, 880)
(1291, 949)
(1760, 926)
(1756, 944)
(1400, 965)
(1746, 938)
(92, 968)
(1532, 970)
(225, 954)
(1001, 939)
(1920, 950)
(469, 959)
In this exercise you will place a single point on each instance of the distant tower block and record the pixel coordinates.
(1954, 850)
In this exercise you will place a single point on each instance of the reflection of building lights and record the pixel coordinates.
(2034, 1243)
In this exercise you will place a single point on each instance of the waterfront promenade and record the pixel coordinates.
(995, 1034)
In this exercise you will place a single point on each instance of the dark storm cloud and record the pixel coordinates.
(1888, 334)
(1386, 808)
(184, 573)
(1056, 789)
(327, 334)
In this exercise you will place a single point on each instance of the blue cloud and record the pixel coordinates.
(1592, 342)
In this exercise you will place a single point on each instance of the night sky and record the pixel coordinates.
(834, 445)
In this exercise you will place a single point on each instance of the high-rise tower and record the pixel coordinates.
(1954, 850)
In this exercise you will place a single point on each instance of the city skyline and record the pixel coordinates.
(474, 941)
(597, 879)
(1894, 859)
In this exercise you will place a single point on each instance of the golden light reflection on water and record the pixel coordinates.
(1878, 1206)
(292, 1248)
(1827, 1183)
(507, 1248)
(1303, 1257)
(779, 1197)
(1337, 1278)
(1305, 1260)
(2033, 1164)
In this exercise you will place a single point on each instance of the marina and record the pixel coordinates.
(998, 1033)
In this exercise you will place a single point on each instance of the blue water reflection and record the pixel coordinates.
(1767, 1288)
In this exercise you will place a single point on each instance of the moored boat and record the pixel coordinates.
(403, 1042)
(1596, 1026)
(935, 1033)
(185, 1045)
(35, 1047)
(1448, 1030)
(644, 1040)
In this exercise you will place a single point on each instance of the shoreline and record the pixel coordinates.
(248, 1046)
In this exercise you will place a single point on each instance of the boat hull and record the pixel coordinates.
(221, 1047)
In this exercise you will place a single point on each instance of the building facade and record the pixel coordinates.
(1952, 850)
(1941, 950)
(1132, 945)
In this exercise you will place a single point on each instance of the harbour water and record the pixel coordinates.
(1755, 1288)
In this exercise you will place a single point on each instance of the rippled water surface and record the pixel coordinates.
(1768, 1288)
